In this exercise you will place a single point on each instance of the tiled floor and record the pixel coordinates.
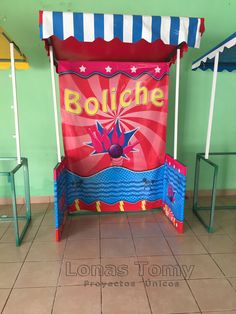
(128, 263)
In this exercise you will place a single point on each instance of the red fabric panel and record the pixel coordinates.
(115, 50)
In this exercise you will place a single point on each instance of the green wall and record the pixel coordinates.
(20, 20)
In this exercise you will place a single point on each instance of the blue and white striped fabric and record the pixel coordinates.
(227, 56)
(87, 27)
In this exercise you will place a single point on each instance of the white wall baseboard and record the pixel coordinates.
(207, 193)
(33, 199)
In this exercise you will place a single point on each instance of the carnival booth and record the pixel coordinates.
(12, 57)
(220, 58)
(113, 77)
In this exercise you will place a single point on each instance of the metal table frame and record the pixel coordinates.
(196, 208)
(15, 218)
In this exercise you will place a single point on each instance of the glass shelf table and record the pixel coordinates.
(9, 168)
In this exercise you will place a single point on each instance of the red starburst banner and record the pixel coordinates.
(113, 115)
(114, 119)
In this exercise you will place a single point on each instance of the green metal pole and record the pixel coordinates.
(196, 183)
(15, 218)
(27, 188)
(213, 201)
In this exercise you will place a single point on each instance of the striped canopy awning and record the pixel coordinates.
(227, 56)
(21, 62)
(118, 36)
(87, 27)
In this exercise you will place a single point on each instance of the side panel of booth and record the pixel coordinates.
(60, 203)
(174, 187)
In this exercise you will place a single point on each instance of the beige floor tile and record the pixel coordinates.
(3, 228)
(8, 206)
(197, 228)
(76, 272)
(37, 213)
(4, 293)
(151, 246)
(9, 236)
(78, 231)
(8, 273)
(46, 234)
(175, 297)
(218, 243)
(188, 201)
(38, 274)
(206, 201)
(227, 263)
(49, 218)
(232, 236)
(30, 300)
(36, 218)
(30, 234)
(10, 253)
(227, 200)
(121, 269)
(230, 228)
(233, 282)
(113, 218)
(44, 261)
(90, 219)
(125, 300)
(65, 230)
(141, 217)
(51, 206)
(189, 214)
(43, 251)
(234, 214)
(39, 208)
(8, 209)
(144, 229)
(160, 268)
(185, 245)
(220, 312)
(77, 299)
(223, 217)
(203, 266)
(204, 214)
(223, 222)
(117, 248)
(214, 294)
(160, 216)
(170, 231)
(86, 248)
(115, 231)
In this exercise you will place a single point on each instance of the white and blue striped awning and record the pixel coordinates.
(87, 27)
(227, 56)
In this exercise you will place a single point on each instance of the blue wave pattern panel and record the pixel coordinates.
(116, 184)
(174, 186)
(60, 198)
